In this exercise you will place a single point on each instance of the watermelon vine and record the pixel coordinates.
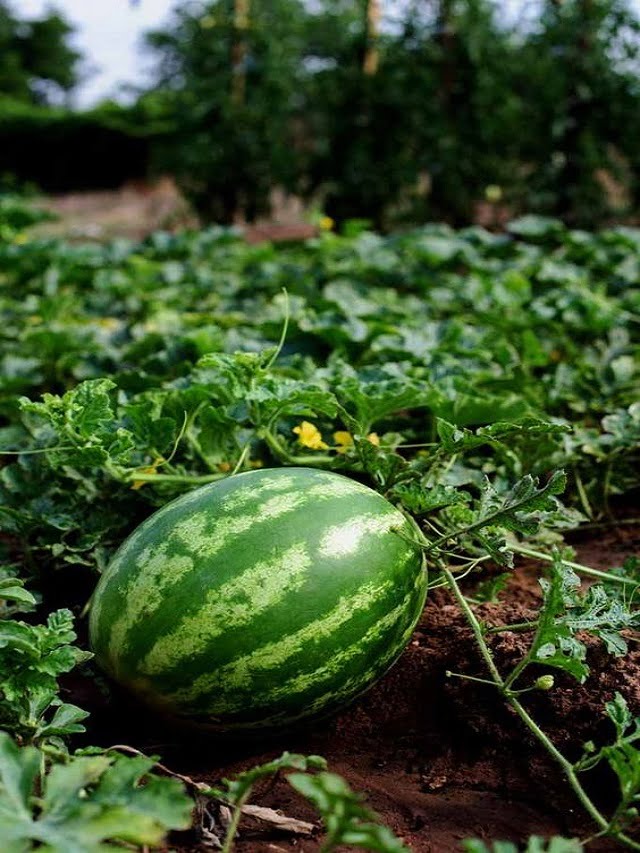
(453, 375)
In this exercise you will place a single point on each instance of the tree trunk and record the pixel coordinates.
(578, 107)
(446, 37)
(372, 54)
(241, 11)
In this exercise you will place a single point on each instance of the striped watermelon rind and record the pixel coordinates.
(261, 600)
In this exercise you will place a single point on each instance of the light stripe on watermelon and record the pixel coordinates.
(264, 598)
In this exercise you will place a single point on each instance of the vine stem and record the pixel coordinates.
(524, 715)
(579, 567)
(517, 626)
(475, 625)
(174, 478)
(614, 522)
(232, 831)
(566, 765)
(283, 333)
(37, 450)
(283, 455)
(584, 500)
(188, 781)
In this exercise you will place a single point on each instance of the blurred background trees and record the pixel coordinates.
(389, 110)
(227, 78)
(37, 63)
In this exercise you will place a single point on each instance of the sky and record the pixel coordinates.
(109, 33)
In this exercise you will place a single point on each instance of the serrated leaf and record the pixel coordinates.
(32, 658)
(86, 802)
(346, 820)
(233, 790)
(421, 499)
(554, 643)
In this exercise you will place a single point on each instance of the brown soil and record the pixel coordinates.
(439, 759)
(141, 207)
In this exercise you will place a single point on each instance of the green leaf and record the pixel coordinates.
(86, 802)
(65, 721)
(536, 227)
(32, 658)
(535, 844)
(422, 499)
(456, 439)
(234, 790)
(346, 820)
(554, 643)
(603, 616)
(372, 399)
(521, 509)
(11, 589)
(568, 611)
(489, 590)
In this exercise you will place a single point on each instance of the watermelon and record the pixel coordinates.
(260, 600)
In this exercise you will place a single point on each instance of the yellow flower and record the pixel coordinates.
(152, 469)
(326, 223)
(138, 484)
(108, 322)
(21, 238)
(343, 440)
(310, 436)
(493, 193)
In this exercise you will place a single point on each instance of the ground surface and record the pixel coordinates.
(139, 208)
(439, 759)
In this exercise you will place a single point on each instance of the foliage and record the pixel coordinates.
(32, 658)
(466, 113)
(346, 820)
(98, 148)
(85, 802)
(535, 844)
(463, 113)
(582, 61)
(16, 215)
(623, 757)
(458, 373)
(231, 103)
(37, 63)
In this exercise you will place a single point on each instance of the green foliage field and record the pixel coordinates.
(457, 372)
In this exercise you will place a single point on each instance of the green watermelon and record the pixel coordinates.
(260, 600)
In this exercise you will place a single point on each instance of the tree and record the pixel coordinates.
(583, 109)
(435, 124)
(227, 75)
(466, 115)
(37, 63)
(403, 110)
